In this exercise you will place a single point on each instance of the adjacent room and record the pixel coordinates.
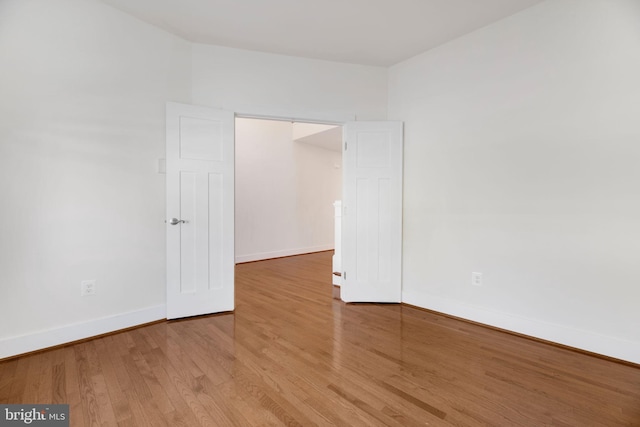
(288, 177)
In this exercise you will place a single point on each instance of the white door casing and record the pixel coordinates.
(200, 195)
(372, 212)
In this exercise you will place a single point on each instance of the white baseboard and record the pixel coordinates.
(580, 339)
(279, 254)
(14, 346)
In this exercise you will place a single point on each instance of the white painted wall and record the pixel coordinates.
(284, 192)
(521, 163)
(260, 83)
(522, 146)
(82, 98)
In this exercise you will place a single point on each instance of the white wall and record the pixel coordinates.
(522, 146)
(521, 163)
(284, 192)
(82, 98)
(261, 83)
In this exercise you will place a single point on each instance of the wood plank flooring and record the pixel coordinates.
(292, 355)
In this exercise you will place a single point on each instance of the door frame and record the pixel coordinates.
(336, 119)
(268, 113)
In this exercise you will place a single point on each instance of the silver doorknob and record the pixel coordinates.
(175, 221)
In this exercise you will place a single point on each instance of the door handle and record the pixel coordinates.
(175, 221)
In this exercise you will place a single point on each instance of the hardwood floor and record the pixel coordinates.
(292, 355)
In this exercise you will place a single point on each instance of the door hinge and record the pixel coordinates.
(345, 146)
(344, 275)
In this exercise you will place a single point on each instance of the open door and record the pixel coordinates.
(372, 212)
(200, 210)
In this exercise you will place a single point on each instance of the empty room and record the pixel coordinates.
(153, 270)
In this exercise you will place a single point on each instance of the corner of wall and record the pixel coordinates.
(14, 346)
(561, 334)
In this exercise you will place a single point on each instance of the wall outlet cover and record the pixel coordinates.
(476, 279)
(87, 288)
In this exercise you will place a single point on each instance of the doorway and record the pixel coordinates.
(288, 176)
(200, 170)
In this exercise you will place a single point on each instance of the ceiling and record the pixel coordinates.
(368, 32)
(328, 137)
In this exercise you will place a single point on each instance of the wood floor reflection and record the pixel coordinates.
(292, 355)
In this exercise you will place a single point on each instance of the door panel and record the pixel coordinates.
(372, 212)
(216, 224)
(187, 232)
(200, 194)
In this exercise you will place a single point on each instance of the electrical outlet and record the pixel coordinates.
(476, 279)
(87, 287)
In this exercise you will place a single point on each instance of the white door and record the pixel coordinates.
(200, 210)
(372, 212)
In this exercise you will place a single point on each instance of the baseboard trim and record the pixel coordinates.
(20, 345)
(589, 342)
(261, 256)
